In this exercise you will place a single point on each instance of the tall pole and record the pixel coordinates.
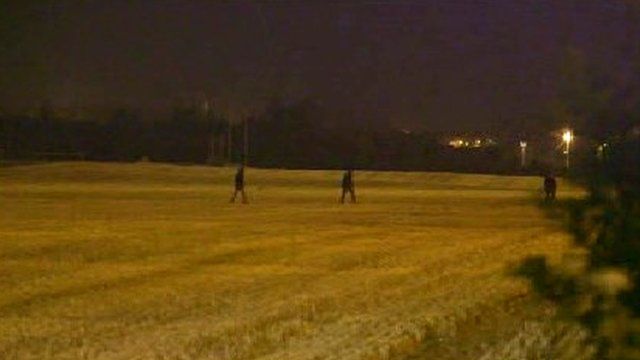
(212, 140)
(229, 139)
(246, 141)
(212, 148)
(209, 118)
(4, 153)
(568, 155)
(567, 137)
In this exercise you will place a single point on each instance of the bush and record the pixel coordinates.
(601, 289)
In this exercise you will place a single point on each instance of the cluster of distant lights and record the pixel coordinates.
(566, 136)
(474, 143)
(461, 143)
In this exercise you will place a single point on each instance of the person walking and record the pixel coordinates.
(239, 186)
(550, 186)
(348, 186)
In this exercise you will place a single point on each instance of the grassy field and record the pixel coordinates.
(148, 261)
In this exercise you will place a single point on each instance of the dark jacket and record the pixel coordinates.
(549, 184)
(347, 180)
(240, 179)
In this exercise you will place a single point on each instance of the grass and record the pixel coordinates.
(149, 261)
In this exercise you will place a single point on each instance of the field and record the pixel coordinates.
(150, 261)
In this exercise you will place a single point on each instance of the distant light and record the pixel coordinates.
(456, 143)
(601, 150)
(567, 136)
(476, 143)
(523, 144)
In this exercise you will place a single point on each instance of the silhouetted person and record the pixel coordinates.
(550, 188)
(239, 182)
(348, 186)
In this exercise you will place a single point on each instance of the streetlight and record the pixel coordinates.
(523, 153)
(567, 138)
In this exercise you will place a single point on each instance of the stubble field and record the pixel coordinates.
(150, 261)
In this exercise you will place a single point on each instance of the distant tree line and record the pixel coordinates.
(301, 134)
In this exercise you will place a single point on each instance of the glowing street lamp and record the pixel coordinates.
(567, 138)
(523, 153)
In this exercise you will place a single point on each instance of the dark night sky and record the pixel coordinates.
(447, 64)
